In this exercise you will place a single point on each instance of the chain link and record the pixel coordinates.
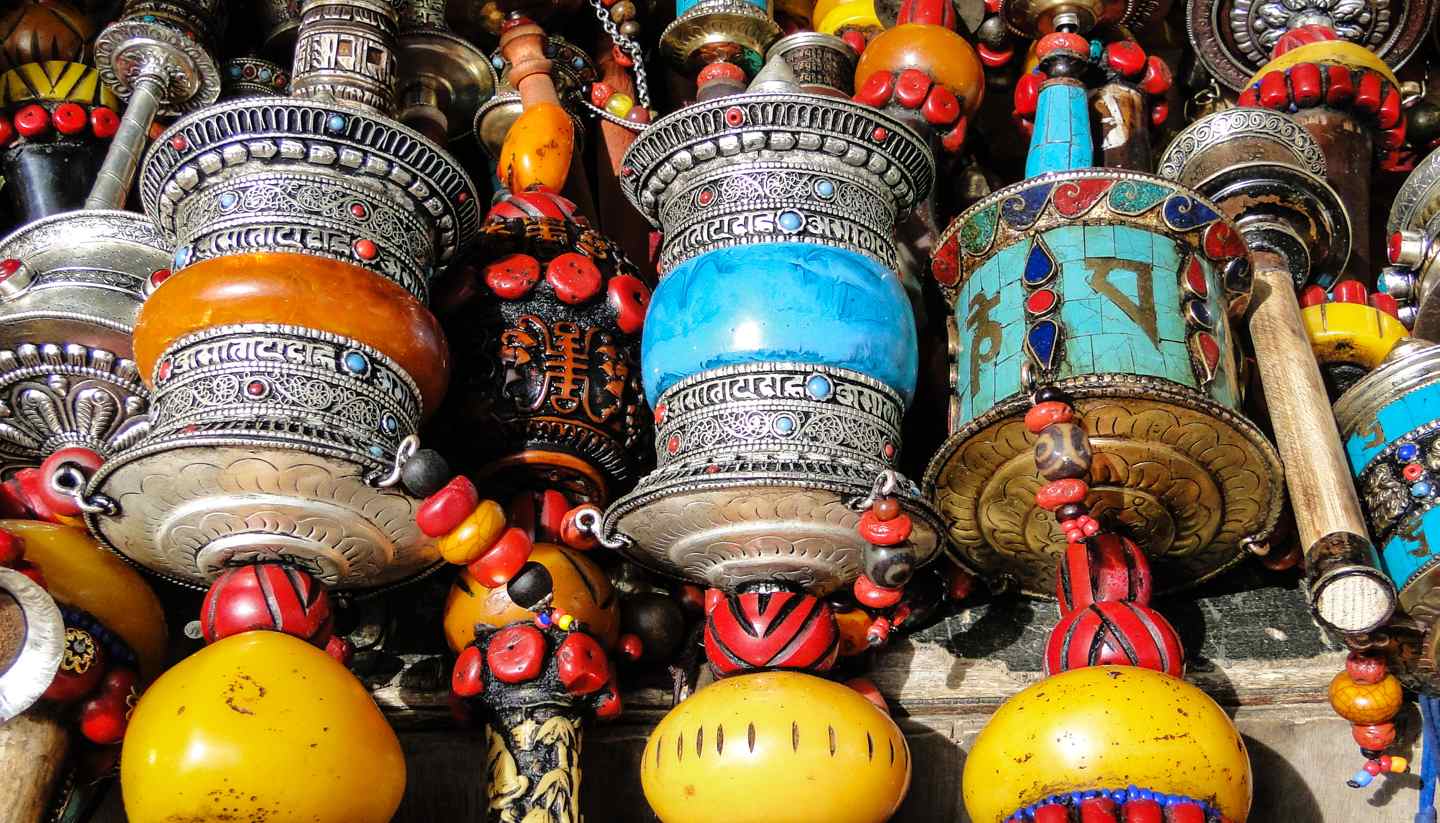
(632, 50)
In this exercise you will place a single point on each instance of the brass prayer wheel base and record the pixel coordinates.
(1190, 479)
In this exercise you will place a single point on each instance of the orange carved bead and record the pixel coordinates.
(1366, 703)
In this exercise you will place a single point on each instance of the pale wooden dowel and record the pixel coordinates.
(32, 751)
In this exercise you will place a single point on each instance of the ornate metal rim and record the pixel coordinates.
(1106, 386)
(189, 87)
(1389, 382)
(870, 139)
(27, 678)
(357, 142)
(1233, 125)
(718, 22)
(1053, 180)
(466, 70)
(1418, 201)
(89, 228)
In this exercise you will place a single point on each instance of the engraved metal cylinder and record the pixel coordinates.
(346, 52)
(822, 63)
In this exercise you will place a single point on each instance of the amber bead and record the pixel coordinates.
(940, 53)
(1365, 703)
(299, 290)
(537, 149)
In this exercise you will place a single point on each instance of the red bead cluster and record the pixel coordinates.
(1350, 291)
(1124, 61)
(1103, 584)
(86, 672)
(1101, 809)
(522, 654)
(37, 121)
(913, 89)
(1366, 93)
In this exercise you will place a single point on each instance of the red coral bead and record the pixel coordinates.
(1312, 296)
(1390, 109)
(104, 122)
(1061, 41)
(1159, 113)
(574, 277)
(1349, 291)
(7, 131)
(12, 550)
(911, 86)
(467, 679)
(446, 509)
(875, 596)
(516, 653)
(1366, 669)
(1249, 98)
(103, 720)
(512, 276)
(629, 298)
(1187, 812)
(994, 58)
(890, 532)
(1052, 813)
(1125, 57)
(1114, 633)
(581, 664)
(1306, 84)
(610, 705)
(769, 630)
(1027, 93)
(954, 139)
(1368, 93)
(32, 120)
(571, 535)
(1374, 737)
(70, 118)
(1342, 86)
(503, 560)
(267, 596)
(1274, 94)
(1158, 78)
(1042, 415)
(1143, 811)
(342, 651)
(941, 106)
(1106, 567)
(720, 71)
(632, 646)
(599, 93)
(1057, 493)
(79, 457)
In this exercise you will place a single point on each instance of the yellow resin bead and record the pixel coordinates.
(1366, 703)
(777, 747)
(619, 104)
(537, 150)
(1351, 333)
(1106, 727)
(260, 726)
(474, 535)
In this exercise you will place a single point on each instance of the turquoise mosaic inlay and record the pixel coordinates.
(1061, 141)
(1121, 311)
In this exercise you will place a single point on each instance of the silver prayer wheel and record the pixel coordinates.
(1413, 229)
(346, 53)
(444, 78)
(821, 63)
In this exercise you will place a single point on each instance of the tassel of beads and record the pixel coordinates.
(1368, 696)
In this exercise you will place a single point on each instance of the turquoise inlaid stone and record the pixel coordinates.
(1121, 311)
(1136, 196)
(780, 302)
(1410, 550)
(979, 230)
(1397, 419)
(1061, 140)
(682, 6)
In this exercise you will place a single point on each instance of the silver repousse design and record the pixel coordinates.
(407, 188)
(274, 382)
(66, 314)
(761, 470)
(346, 53)
(167, 38)
(268, 442)
(40, 635)
(822, 63)
(1247, 126)
(876, 169)
(253, 77)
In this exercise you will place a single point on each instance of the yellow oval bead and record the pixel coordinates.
(619, 104)
(1366, 703)
(474, 535)
(566, 621)
(260, 726)
(537, 150)
(778, 747)
(1351, 333)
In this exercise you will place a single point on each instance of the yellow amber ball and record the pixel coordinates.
(536, 152)
(776, 747)
(1106, 727)
(260, 726)
(580, 588)
(940, 53)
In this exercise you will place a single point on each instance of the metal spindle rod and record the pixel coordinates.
(113, 181)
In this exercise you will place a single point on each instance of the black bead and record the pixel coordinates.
(1070, 511)
(1424, 123)
(530, 586)
(657, 620)
(891, 568)
(425, 473)
(1051, 394)
(992, 32)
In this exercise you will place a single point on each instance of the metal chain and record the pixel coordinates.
(632, 49)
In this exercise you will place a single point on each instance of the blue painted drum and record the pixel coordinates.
(780, 302)
(780, 348)
(1390, 423)
(1118, 288)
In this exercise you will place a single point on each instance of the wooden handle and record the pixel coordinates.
(32, 749)
(523, 44)
(1347, 591)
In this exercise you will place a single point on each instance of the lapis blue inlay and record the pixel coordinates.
(1023, 208)
(1186, 213)
(780, 302)
(1041, 340)
(1039, 266)
(1407, 451)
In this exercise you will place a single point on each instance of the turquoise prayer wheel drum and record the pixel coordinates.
(1390, 424)
(1117, 288)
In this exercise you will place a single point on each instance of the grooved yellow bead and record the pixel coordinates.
(619, 104)
(537, 150)
(474, 535)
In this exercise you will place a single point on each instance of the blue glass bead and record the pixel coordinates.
(356, 363)
(780, 302)
(1407, 451)
(1361, 779)
(1421, 489)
